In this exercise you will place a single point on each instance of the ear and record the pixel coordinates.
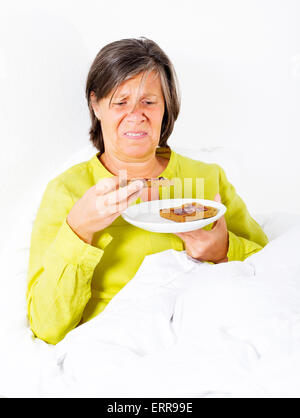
(95, 105)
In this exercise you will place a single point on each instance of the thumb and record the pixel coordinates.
(217, 198)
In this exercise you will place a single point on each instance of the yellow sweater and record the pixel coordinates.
(70, 281)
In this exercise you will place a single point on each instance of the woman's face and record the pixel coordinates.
(133, 109)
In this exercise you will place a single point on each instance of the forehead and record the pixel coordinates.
(145, 83)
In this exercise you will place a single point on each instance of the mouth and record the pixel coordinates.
(135, 135)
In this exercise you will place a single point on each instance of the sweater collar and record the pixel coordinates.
(164, 152)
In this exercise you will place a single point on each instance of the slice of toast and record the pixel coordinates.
(153, 182)
(188, 212)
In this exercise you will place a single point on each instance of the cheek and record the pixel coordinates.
(155, 118)
(158, 117)
(114, 122)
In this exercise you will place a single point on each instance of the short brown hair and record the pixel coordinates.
(122, 60)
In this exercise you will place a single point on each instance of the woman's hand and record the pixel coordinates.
(101, 205)
(208, 245)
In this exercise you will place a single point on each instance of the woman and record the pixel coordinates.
(82, 251)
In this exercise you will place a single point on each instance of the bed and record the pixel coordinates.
(179, 328)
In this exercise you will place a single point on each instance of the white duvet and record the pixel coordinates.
(179, 328)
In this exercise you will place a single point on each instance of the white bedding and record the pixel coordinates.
(179, 328)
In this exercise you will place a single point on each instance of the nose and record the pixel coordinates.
(136, 113)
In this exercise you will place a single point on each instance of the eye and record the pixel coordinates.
(120, 104)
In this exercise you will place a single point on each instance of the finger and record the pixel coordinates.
(123, 193)
(123, 205)
(123, 178)
(119, 200)
(185, 236)
(134, 196)
(107, 185)
(195, 234)
(113, 217)
(220, 223)
(182, 235)
(217, 198)
(215, 224)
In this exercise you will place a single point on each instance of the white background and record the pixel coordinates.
(238, 64)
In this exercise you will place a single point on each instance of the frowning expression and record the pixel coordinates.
(131, 119)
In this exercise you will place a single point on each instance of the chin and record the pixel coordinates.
(139, 149)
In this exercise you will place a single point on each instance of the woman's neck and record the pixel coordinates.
(150, 168)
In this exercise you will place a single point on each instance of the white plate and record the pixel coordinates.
(146, 215)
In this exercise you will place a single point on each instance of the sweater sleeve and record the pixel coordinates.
(60, 269)
(246, 237)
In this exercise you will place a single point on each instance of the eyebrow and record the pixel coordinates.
(125, 95)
